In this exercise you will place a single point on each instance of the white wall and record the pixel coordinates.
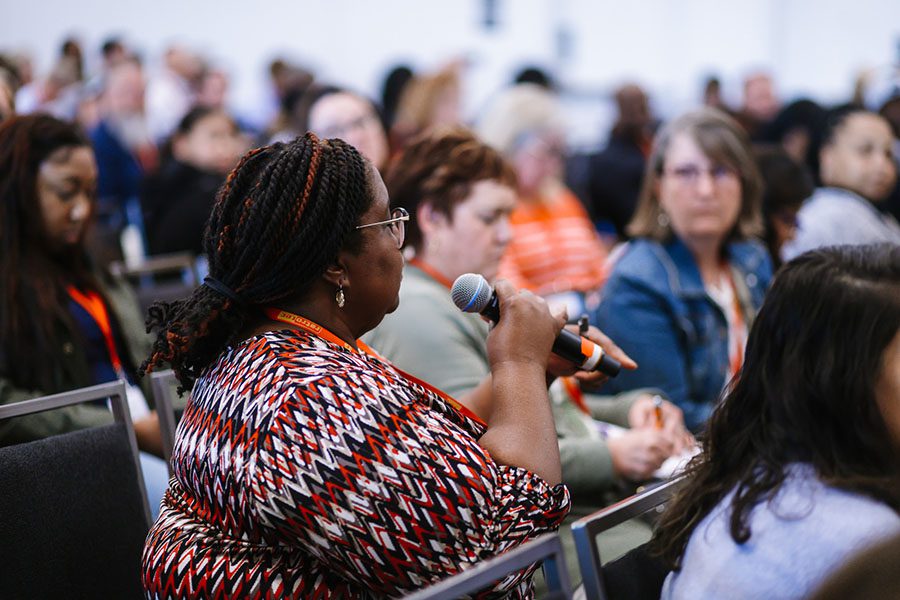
(811, 46)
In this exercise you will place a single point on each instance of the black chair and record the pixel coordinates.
(73, 507)
(547, 548)
(169, 407)
(165, 277)
(585, 531)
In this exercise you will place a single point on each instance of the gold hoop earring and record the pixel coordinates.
(339, 296)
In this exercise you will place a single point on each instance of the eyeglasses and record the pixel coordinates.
(340, 130)
(691, 174)
(396, 224)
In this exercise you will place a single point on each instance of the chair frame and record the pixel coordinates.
(161, 383)
(546, 548)
(586, 529)
(114, 391)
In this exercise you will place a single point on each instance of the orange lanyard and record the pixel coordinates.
(434, 273)
(314, 328)
(740, 328)
(575, 393)
(93, 304)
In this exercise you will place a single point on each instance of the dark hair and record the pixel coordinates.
(806, 393)
(187, 124)
(439, 169)
(32, 279)
(280, 219)
(394, 83)
(786, 184)
(835, 119)
(804, 115)
(536, 75)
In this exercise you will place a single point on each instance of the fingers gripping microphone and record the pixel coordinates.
(472, 293)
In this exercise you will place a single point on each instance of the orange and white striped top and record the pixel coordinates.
(554, 247)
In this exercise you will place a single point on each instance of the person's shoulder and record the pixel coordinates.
(641, 259)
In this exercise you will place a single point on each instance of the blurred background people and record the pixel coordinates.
(759, 105)
(460, 193)
(797, 128)
(554, 251)
(857, 170)
(428, 101)
(682, 295)
(333, 112)
(616, 172)
(172, 89)
(125, 154)
(64, 322)
(786, 184)
(177, 200)
(801, 465)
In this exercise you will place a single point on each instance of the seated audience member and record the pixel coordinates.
(428, 101)
(786, 184)
(857, 169)
(64, 324)
(681, 296)
(796, 129)
(760, 104)
(799, 471)
(125, 155)
(461, 193)
(554, 251)
(177, 200)
(337, 113)
(300, 452)
(7, 95)
(616, 172)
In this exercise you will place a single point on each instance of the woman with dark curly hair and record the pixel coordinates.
(800, 468)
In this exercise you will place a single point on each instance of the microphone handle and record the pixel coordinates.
(579, 350)
(584, 353)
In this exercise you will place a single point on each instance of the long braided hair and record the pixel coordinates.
(279, 221)
(33, 279)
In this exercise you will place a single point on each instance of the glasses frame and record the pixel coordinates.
(402, 216)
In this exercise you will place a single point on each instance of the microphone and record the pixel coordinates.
(472, 293)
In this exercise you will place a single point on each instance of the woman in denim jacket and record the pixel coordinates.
(681, 295)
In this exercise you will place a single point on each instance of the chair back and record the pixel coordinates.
(546, 548)
(169, 407)
(586, 529)
(73, 508)
(165, 277)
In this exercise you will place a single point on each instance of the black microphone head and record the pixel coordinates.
(471, 292)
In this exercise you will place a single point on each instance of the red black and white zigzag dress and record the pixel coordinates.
(303, 469)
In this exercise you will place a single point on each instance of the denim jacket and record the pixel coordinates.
(654, 306)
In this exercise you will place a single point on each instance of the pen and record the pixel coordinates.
(657, 411)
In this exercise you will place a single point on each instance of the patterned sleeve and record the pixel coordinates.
(374, 479)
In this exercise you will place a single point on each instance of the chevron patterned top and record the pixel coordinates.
(306, 470)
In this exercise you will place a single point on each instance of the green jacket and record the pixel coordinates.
(450, 352)
(76, 373)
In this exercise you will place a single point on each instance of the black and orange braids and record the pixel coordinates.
(280, 219)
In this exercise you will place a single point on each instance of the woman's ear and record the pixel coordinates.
(336, 273)
(429, 219)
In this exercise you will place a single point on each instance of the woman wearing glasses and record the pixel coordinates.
(305, 465)
(681, 296)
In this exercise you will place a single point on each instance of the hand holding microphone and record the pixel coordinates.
(472, 293)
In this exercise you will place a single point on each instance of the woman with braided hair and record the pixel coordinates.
(305, 465)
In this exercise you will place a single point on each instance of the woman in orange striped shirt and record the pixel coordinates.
(555, 251)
